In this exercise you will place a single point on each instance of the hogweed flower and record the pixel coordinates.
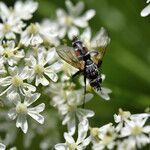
(68, 103)
(121, 118)
(40, 68)
(100, 40)
(16, 81)
(81, 142)
(10, 53)
(35, 34)
(70, 20)
(104, 137)
(22, 109)
(135, 130)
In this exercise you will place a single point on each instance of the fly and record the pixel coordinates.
(88, 62)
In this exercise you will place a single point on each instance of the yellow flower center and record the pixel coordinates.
(107, 139)
(124, 114)
(16, 81)
(32, 29)
(8, 53)
(95, 133)
(72, 146)
(68, 20)
(21, 108)
(39, 69)
(72, 108)
(7, 27)
(136, 130)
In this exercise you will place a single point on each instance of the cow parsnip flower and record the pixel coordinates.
(121, 118)
(146, 11)
(106, 137)
(100, 40)
(125, 144)
(81, 142)
(22, 109)
(40, 67)
(16, 81)
(72, 19)
(135, 130)
(12, 23)
(71, 111)
(36, 34)
(68, 101)
(51, 26)
(20, 11)
(10, 53)
(11, 27)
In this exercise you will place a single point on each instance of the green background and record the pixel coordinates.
(127, 60)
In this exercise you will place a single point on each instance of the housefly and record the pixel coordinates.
(88, 62)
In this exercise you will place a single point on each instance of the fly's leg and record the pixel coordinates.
(84, 90)
(77, 73)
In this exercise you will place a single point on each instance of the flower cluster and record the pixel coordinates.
(129, 133)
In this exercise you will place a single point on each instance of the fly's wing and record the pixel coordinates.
(100, 43)
(68, 54)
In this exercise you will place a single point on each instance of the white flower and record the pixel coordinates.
(70, 20)
(121, 118)
(70, 109)
(100, 40)
(15, 82)
(2, 146)
(40, 67)
(10, 53)
(146, 11)
(135, 130)
(24, 10)
(36, 34)
(81, 141)
(10, 28)
(22, 109)
(67, 101)
(21, 10)
(51, 26)
(126, 144)
(106, 136)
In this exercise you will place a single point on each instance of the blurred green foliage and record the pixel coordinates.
(127, 61)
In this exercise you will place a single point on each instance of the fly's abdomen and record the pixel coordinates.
(92, 73)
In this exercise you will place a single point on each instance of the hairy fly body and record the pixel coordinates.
(91, 70)
(88, 62)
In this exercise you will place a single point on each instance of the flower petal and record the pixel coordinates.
(146, 11)
(69, 138)
(39, 108)
(31, 98)
(12, 113)
(36, 116)
(52, 75)
(61, 146)
(2, 146)
(22, 123)
(73, 31)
